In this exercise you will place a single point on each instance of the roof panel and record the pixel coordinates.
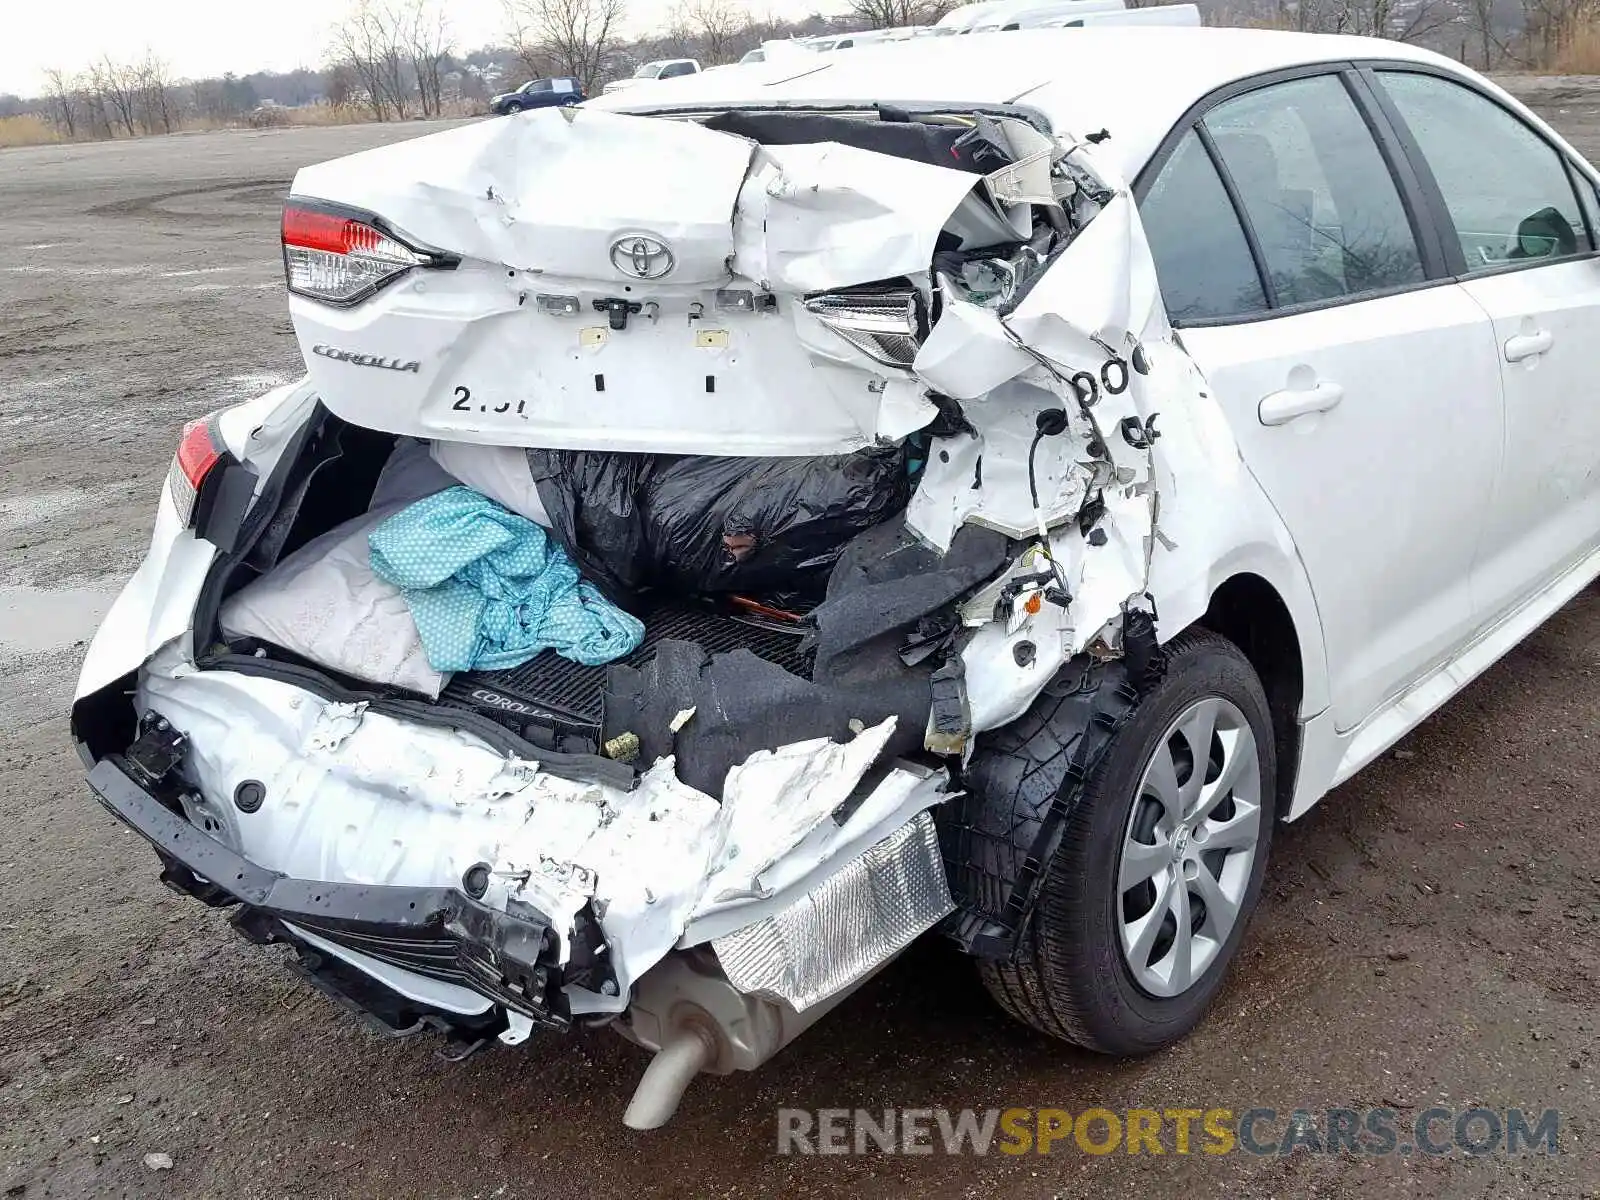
(1134, 82)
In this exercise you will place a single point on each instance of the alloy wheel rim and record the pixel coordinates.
(1189, 847)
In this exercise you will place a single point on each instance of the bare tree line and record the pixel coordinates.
(387, 55)
(1551, 26)
(1487, 34)
(565, 37)
(111, 98)
(1400, 20)
(396, 59)
(894, 14)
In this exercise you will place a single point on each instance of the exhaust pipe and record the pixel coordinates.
(667, 1078)
(695, 1020)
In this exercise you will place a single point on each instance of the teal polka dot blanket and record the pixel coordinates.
(489, 589)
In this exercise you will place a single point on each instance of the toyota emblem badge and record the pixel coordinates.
(641, 257)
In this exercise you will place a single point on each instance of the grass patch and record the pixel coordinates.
(1579, 53)
(27, 131)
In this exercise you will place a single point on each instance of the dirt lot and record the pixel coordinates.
(1431, 934)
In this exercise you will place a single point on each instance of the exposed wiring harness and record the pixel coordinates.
(1051, 422)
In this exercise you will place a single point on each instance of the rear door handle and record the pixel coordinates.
(1528, 345)
(1280, 407)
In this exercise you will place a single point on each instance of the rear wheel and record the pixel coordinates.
(1146, 899)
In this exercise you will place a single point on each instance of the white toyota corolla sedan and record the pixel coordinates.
(976, 484)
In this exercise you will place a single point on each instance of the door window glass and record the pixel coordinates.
(1202, 260)
(1316, 190)
(1505, 187)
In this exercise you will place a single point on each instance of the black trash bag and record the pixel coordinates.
(758, 524)
(705, 524)
(592, 500)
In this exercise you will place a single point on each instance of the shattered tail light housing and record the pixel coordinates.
(211, 489)
(886, 325)
(201, 451)
(341, 256)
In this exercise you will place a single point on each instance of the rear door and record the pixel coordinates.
(1518, 215)
(1359, 381)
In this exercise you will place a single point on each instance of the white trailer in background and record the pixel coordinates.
(986, 16)
(1161, 14)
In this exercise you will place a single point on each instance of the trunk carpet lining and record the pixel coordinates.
(549, 690)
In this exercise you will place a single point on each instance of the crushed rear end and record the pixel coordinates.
(711, 840)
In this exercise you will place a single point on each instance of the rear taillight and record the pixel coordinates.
(342, 257)
(200, 451)
(886, 324)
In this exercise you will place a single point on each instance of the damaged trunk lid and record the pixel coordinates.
(580, 279)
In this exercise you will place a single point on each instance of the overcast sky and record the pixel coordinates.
(207, 37)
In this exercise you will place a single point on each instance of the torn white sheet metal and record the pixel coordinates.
(900, 795)
(969, 352)
(1107, 290)
(335, 725)
(1068, 344)
(903, 408)
(550, 191)
(775, 798)
(710, 241)
(983, 477)
(356, 796)
(644, 861)
(815, 217)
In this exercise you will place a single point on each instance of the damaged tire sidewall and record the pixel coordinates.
(1080, 890)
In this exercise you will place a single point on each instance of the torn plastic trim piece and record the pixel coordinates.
(581, 768)
(377, 798)
(509, 956)
(390, 1012)
(950, 714)
(1000, 835)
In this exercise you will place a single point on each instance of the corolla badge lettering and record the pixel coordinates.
(366, 360)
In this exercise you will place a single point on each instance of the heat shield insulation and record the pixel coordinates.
(847, 926)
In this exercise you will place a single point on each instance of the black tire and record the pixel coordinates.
(1073, 982)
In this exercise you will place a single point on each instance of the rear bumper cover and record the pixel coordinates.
(509, 957)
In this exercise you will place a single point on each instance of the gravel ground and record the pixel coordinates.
(1428, 935)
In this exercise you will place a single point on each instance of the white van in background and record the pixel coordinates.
(987, 16)
(964, 16)
(1161, 14)
(662, 68)
(866, 37)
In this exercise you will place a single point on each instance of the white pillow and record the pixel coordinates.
(325, 603)
(499, 472)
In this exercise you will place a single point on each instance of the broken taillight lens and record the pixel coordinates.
(200, 450)
(342, 258)
(885, 325)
